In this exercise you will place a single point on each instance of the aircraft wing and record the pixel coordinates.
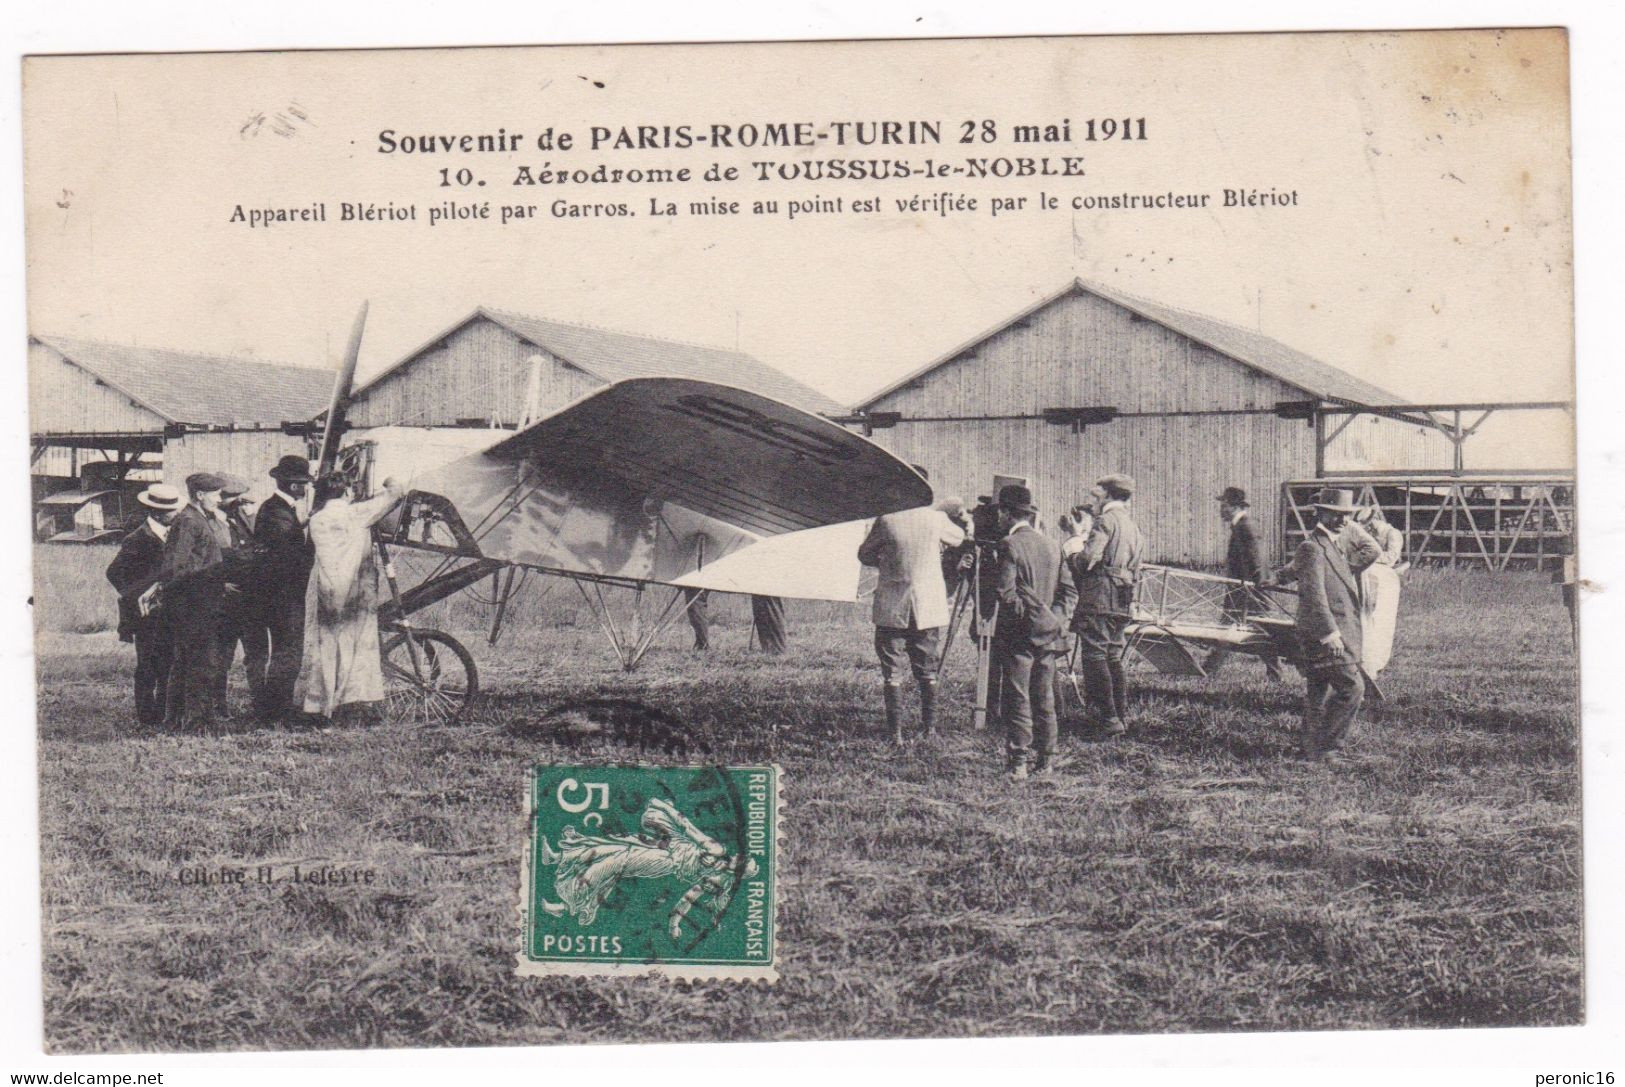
(741, 458)
(813, 564)
(654, 478)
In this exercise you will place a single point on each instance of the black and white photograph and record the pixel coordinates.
(1067, 535)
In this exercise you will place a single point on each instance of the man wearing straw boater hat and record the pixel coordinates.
(285, 557)
(191, 588)
(132, 572)
(1328, 629)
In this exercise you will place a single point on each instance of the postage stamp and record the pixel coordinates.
(668, 871)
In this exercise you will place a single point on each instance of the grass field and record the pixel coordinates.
(1195, 879)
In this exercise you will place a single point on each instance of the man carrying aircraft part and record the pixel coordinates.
(1243, 561)
(1328, 626)
(910, 603)
(1035, 592)
(1110, 562)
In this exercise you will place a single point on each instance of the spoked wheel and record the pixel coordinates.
(429, 678)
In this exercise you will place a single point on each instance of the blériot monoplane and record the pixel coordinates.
(645, 482)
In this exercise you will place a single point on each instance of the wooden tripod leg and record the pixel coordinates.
(962, 604)
(984, 667)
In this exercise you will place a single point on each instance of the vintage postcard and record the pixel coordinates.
(1113, 497)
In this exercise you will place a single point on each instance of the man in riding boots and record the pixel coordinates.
(1110, 563)
(910, 605)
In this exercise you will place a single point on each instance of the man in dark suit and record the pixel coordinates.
(132, 572)
(1034, 592)
(285, 558)
(1243, 561)
(1328, 628)
(190, 589)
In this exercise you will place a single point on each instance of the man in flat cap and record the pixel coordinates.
(243, 618)
(1243, 561)
(133, 571)
(1110, 562)
(285, 558)
(190, 588)
(910, 604)
(1328, 625)
(1034, 592)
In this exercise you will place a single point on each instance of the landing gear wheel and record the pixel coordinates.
(429, 678)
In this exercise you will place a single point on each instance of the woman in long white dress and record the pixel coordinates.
(1379, 589)
(342, 664)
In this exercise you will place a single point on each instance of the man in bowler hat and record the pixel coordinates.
(1034, 592)
(133, 571)
(1328, 625)
(283, 538)
(1243, 561)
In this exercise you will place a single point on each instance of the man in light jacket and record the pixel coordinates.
(1107, 569)
(911, 603)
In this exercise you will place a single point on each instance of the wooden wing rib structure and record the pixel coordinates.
(1180, 613)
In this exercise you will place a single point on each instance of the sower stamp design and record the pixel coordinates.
(652, 870)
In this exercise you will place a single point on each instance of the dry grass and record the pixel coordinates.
(1197, 879)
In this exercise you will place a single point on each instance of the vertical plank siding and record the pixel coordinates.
(1180, 464)
(479, 371)
(1084, 351)
(65, 399)
(245, 453)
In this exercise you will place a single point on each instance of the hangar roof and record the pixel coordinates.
(614, 356)
(1245, 346)
(203, 390)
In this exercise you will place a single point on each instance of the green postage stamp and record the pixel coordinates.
(671, 871)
